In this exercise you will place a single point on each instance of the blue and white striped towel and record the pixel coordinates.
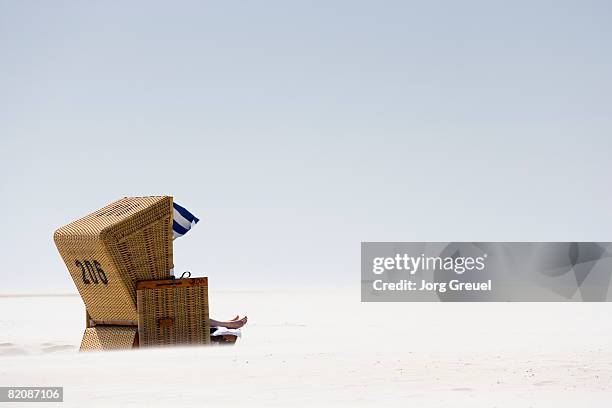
(183, 221)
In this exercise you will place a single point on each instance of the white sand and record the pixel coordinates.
(327, 349)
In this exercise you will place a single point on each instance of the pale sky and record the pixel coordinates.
(296, 131)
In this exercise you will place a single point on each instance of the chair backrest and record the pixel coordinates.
(108, 251)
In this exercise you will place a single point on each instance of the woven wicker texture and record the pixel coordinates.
(107, 251)
(108, 338)
(172, 312)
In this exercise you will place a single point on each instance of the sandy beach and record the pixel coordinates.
(326, 348)
(446, 152)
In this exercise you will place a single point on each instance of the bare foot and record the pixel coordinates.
(236, 324)
(232, 324)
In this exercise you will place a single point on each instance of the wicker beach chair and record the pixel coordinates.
(108, 254)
